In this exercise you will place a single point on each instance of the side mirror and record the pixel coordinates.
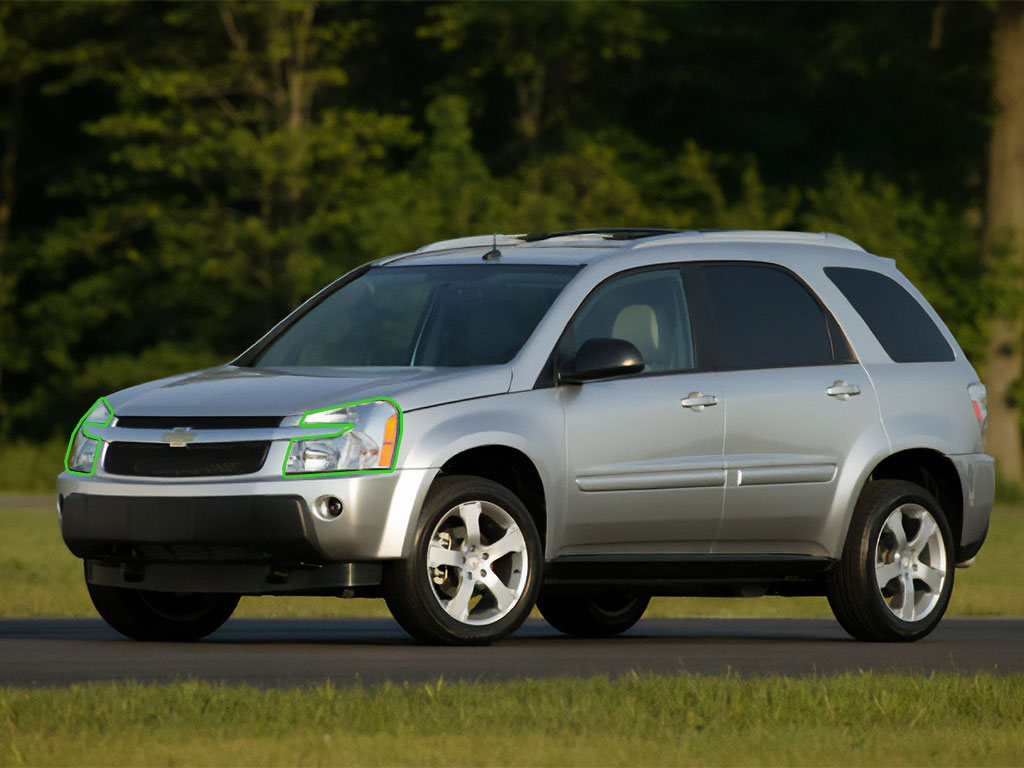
(602, 359)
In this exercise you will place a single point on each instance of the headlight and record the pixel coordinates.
(358, 437)
(84, 448)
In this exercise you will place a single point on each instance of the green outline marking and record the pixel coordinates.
(82, 424)
(344, 428)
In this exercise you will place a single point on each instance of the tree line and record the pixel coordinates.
(175, 177)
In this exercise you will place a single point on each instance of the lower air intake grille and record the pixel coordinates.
(197, 460)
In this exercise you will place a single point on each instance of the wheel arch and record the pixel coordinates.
(509, 467)
(933, 471)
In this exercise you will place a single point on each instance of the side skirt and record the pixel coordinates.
(690, 575)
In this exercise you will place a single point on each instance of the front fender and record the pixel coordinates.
(530, 422)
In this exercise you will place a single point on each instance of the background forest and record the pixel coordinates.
(175, 177)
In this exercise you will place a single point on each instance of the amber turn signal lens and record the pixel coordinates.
(387, 450)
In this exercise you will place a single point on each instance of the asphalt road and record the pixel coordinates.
(271, 653)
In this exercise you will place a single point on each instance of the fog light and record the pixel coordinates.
(328, 507)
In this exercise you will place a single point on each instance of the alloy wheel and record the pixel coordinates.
(477, 563)
(910, 562)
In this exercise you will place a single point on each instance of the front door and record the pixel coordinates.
(644, 452)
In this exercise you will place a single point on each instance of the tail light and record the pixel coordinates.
(976, 392)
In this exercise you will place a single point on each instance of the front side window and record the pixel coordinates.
(429, 316)
(645, 308)
(765, 318)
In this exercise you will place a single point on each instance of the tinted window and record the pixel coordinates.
(898, 321)
(439, 315)
(646, 308)
(765, 318)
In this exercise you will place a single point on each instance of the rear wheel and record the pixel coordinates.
(474, 571)
(598, 615)
(895, 577)
(145, 615)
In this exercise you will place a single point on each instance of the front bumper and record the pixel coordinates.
(254, 518)
(272, 529)
(338, 579)
(253, 545)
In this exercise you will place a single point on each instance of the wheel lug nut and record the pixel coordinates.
(483, 572)
(486, 556)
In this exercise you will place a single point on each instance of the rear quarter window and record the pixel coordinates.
(899, 322)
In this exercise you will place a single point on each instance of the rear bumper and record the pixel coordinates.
(978, 481)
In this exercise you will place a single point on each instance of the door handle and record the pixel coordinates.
(697, 401)
(843, 390)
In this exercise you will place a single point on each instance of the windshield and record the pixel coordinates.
(439, 315)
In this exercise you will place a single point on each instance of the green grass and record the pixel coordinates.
(851, 719)
(28, 467)
(41, 578)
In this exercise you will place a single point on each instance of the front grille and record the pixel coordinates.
(197, 460)
(199, 422)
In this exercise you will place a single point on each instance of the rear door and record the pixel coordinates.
(797, 403)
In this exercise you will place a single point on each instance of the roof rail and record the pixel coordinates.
(827, 239)
(608, 233)
(473, 241)
(648, 237)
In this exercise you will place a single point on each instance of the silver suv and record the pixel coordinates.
(577, 420)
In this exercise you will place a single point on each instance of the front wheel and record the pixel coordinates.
(144, 615)
(475, 568)
(895, 577)
(600, 615)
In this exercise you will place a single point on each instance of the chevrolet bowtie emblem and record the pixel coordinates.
(179, 437)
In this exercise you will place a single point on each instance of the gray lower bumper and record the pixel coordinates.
(273, 529)
(340, 579)
(248, 545)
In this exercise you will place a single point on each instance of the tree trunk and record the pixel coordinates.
(8, 187)
(1004, 235)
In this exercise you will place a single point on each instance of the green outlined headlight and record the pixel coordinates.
(83, 449)
(356, 437)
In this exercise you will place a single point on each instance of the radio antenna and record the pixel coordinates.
(494, 253)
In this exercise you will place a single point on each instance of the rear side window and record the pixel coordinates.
(899, 322)
(766, 318)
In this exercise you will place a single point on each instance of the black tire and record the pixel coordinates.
(870, 610)
(420, 598)
(599, 615)
(166, 616)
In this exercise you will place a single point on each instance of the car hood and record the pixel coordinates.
(235, 391)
